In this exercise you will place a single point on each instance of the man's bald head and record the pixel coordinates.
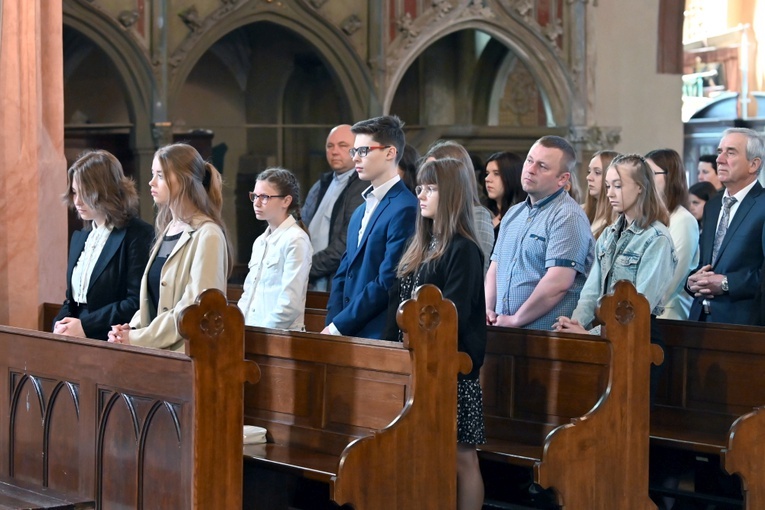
(339, 143)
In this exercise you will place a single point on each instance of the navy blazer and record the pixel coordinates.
(116, 279)
(740, 258)
(359, 297)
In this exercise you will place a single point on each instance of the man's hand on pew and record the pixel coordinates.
(706, 283)
(568, 325)
(491, 317)
(69, 326)
(505, 321)
(120, 334)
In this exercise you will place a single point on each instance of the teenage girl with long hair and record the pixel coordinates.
(445, 253)
(191, 252)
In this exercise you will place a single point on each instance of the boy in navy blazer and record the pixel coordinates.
(377, 234)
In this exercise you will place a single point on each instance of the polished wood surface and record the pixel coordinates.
(575, 407)
(319, 394)
(711, 397)
(17, 495)
(128, 427)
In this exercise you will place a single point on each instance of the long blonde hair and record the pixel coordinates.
(454, 214)
(599, 209)
(195, 183)
(650, 204)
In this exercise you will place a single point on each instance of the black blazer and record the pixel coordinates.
(741, 258)
(116, 280)
(459, 276)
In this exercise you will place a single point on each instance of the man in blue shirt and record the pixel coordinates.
(545, 249)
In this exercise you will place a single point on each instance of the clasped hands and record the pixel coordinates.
(706, 283)
(120, 334)
(505, 321)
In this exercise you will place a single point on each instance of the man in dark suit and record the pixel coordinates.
(377, 234)
(329, 206)
(733, 238)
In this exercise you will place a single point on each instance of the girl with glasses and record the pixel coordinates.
(444, 252)
(277, 281)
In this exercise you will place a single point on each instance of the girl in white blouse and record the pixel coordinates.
(276, 285)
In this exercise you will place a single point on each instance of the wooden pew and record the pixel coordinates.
(556, 404)
(374, 420)
(574, 408)
(128, 427)
(711, 398)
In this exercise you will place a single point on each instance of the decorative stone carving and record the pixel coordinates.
(317, 4)
(525, 8)
(128, 18)
(202, 26)
(553, 30)
(595, 137)
(190, 17)
(351, 24)
(405, 25)
(442, 7)
(478, 8)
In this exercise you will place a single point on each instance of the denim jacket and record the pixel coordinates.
(643, 256)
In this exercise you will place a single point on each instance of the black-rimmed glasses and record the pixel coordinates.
(363, 151)
(263, 198)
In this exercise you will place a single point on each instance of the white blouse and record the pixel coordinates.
(684, 231)
(83, 270)
(277, 281)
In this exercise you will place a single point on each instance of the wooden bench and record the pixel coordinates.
(374, 420)
(574, 408)
(711, 399)
(556, 404)
(128, 427)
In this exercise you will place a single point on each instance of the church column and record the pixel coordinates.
(33, 226)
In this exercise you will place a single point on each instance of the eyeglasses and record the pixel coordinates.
(429, 190)
(263, 198)
(660, 173)
(363, 151)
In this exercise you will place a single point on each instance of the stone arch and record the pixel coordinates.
(129, 60)
(554, 81)
(326, 40)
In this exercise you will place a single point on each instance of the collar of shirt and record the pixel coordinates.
(273, 235)
(544, 201)
(379, 192)
(343, 177)
(741, 195)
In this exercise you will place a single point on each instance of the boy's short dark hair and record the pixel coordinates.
(385, 130)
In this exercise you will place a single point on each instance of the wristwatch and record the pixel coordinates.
(724, 284)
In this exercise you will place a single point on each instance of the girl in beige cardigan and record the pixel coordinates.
(191, 252)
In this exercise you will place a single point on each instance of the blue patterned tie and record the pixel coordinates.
(722, 228)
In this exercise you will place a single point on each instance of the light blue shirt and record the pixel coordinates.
(643, 256)
(554, 232)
